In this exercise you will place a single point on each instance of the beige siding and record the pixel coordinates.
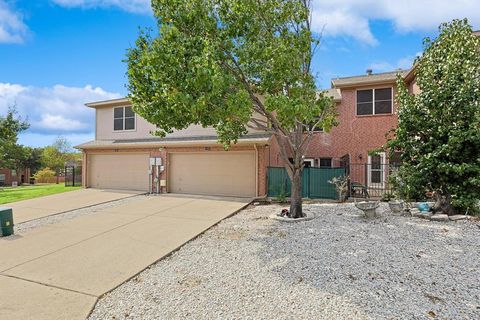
(143, 129)
(118, 171)
(215, 173)
(104, 124)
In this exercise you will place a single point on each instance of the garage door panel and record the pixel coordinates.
(225, 173)
(118, 171)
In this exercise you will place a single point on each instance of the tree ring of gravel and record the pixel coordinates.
(309, 216)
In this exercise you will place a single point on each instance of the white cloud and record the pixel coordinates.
(352, 18)
(135, 6)
(42, 139)
(12, 28)
(54, 110)
(402, 63)
(59, 122)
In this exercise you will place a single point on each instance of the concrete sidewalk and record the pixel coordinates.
(58, 271)
(31, 209)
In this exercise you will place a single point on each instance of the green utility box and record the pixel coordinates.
(6, 221)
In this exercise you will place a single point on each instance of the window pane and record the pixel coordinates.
(376, 177)
(364, 96)
(376, 161)
(129, 123)
(118, 112)
(325, 162)
(383, 107)
(129, 112)
(383, 94)
(118, 124)
(364, 108)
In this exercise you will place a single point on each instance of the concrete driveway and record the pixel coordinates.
(31, 209)
(58, 271)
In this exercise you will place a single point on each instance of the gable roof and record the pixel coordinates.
(368, 79)
(334, 93)
(109, 103)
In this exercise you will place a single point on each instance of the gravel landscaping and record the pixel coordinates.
(336, 266)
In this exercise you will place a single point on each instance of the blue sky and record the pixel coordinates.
(56, 55)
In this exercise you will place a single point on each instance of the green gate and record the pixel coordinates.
(314, 182)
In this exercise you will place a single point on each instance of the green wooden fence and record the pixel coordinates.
(314, 182)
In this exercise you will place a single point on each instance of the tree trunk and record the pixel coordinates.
(58, 178)
(296, 195)
(443, 203)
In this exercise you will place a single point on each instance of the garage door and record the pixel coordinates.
(118, 171)
(216, 173)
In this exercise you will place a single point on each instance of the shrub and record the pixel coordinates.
(44, 174)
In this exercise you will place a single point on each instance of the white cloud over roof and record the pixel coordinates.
(54, 110)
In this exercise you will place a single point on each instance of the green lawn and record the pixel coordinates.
(9, 194)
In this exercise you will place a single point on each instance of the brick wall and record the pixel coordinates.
(355, 135)
(9, 178)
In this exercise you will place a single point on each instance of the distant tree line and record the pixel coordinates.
(18, 157)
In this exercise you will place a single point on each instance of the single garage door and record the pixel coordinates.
(216, 173)
(118, 171)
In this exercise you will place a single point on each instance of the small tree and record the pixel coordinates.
(233, 65)
(438, 131)
(11, 153)
(56, 155)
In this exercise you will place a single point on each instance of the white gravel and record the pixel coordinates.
(337, 266)
(25, 227)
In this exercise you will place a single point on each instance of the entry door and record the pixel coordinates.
(376, 171)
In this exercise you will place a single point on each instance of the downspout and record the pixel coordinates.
(256, 169)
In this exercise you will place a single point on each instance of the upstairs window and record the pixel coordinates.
(325, 162)
(123, 119)
(374, 101)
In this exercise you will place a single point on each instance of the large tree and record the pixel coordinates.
(233, 65)
(438, 132)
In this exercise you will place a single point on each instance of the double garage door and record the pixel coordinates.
(210, 173)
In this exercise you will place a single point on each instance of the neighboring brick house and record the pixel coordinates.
(8, 176)
(366, 114)
(194, 162)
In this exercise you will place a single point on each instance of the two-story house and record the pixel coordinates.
(124, 151)
(125, 155)
(366, 113)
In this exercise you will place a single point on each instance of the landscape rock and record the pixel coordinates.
(414, 211)
(457, 217)
(439, 217)
(425, 215)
